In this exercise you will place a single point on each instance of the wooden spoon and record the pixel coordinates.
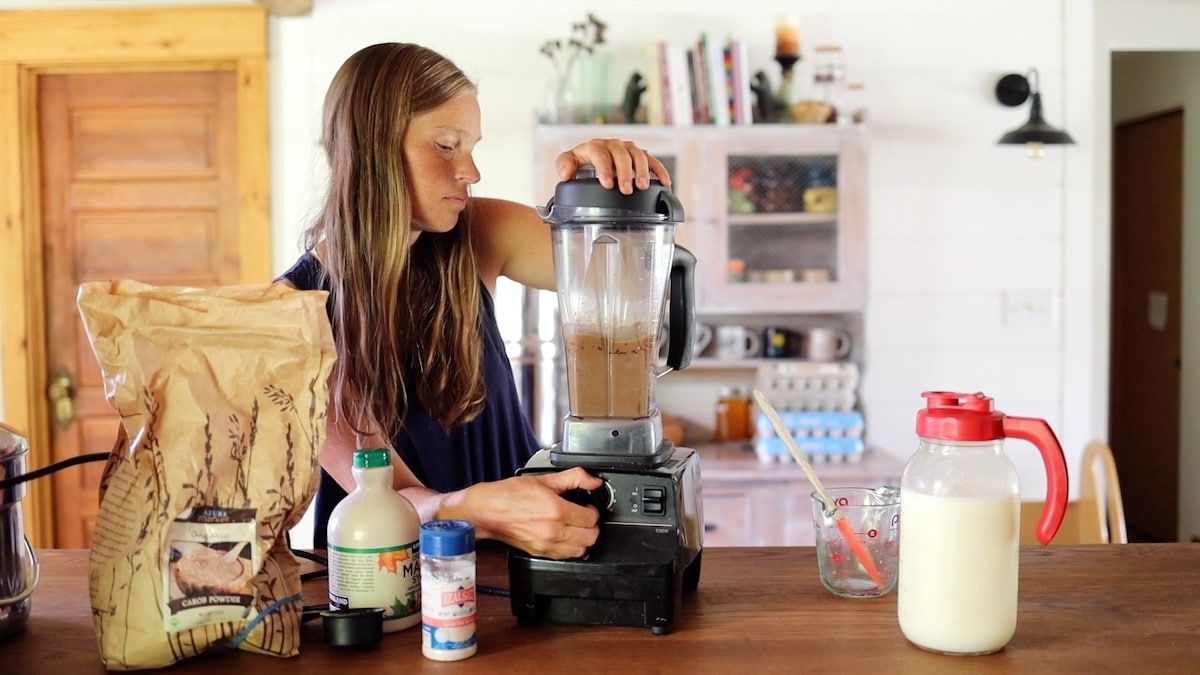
(856, 545)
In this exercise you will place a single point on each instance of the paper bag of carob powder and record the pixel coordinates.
(222, 396)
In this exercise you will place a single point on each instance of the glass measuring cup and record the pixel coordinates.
(874, 515)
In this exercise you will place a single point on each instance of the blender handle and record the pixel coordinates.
(682, 308)
(1039, 433)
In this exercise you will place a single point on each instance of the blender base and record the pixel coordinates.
(647, 556)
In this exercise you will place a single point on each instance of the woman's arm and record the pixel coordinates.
(524, 511)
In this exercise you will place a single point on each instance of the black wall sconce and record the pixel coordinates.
(1013, 90)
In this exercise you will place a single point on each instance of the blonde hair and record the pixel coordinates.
(405, 315)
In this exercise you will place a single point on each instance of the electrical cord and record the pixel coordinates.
(308, 612)
(51, 468)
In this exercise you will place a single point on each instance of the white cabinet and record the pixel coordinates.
(749, 503)
(775, 213)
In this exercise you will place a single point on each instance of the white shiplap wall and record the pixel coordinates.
(955, 222)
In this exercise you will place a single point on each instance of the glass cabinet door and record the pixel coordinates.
(782, 219)
(789, 216)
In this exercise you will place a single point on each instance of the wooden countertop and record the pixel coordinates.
(1089, 608)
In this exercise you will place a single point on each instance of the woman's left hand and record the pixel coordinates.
(618, 163)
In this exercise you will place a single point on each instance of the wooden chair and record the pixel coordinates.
(1102, 513)
(1098, 516)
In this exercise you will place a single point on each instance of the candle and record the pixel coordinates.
(787, 36)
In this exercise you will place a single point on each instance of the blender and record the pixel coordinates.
(615, 259)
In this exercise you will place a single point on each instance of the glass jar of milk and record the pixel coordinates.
(960, 515)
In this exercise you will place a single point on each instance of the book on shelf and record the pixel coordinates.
(701, 112)
(654, 88)
(743, 98)
(718, 92)
(680, 86)
(704, 83)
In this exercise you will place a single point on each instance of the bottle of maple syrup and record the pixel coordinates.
(374, 545)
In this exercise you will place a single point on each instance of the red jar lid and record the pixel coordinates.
(952, 416)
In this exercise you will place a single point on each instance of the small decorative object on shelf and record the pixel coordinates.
(634, 89)
(766, 107)
(853, 111)
(787, 94)
(787, 53)
(787, 37)
(563, 54)
(829, 78)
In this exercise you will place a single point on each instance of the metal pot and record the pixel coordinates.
(18, 566)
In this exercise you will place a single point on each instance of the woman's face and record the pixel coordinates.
(437, 158)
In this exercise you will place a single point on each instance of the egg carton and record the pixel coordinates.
(810, 386)
(825, 449)
(813, 424)
(821, 436)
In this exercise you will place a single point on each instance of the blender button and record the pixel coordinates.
(655, 493)
(652, 506)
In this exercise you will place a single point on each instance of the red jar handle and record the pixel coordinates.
(1039, 433)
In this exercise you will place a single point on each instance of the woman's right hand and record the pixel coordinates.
(529, 512)
(618, 163)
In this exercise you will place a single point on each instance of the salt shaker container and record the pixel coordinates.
(960, 514)
(448, 590)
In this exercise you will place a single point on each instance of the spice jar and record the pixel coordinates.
(732, 415)
(448, 590)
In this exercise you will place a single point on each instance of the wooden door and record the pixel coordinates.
(139, 180)
(1147, 302)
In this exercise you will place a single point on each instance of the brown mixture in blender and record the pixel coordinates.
(610, 382)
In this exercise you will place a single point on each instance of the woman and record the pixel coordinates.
(411, 261)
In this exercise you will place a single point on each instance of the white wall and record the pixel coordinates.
(955, 221)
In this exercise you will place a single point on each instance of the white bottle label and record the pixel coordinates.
(448, 621)
(388, 577)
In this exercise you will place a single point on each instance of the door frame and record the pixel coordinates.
(111, 40)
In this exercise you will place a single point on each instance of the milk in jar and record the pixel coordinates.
(958, 593)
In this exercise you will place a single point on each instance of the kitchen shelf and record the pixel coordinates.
(791, 219)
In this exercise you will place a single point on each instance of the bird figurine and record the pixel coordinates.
(633, 96)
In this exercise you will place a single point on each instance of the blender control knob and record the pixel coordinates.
(602, 497)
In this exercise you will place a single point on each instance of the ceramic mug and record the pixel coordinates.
(737, 342)
(826, 344)
(779, 342)
(701, 338)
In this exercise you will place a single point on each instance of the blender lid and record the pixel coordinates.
(584, 199)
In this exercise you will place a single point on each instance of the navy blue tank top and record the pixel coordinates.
(490, 447)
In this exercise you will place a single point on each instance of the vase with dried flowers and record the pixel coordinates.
(563, 55)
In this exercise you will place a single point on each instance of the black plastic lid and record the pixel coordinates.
(584, 199)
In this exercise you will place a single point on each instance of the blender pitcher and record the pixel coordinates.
(614, 257)
(960, 517)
